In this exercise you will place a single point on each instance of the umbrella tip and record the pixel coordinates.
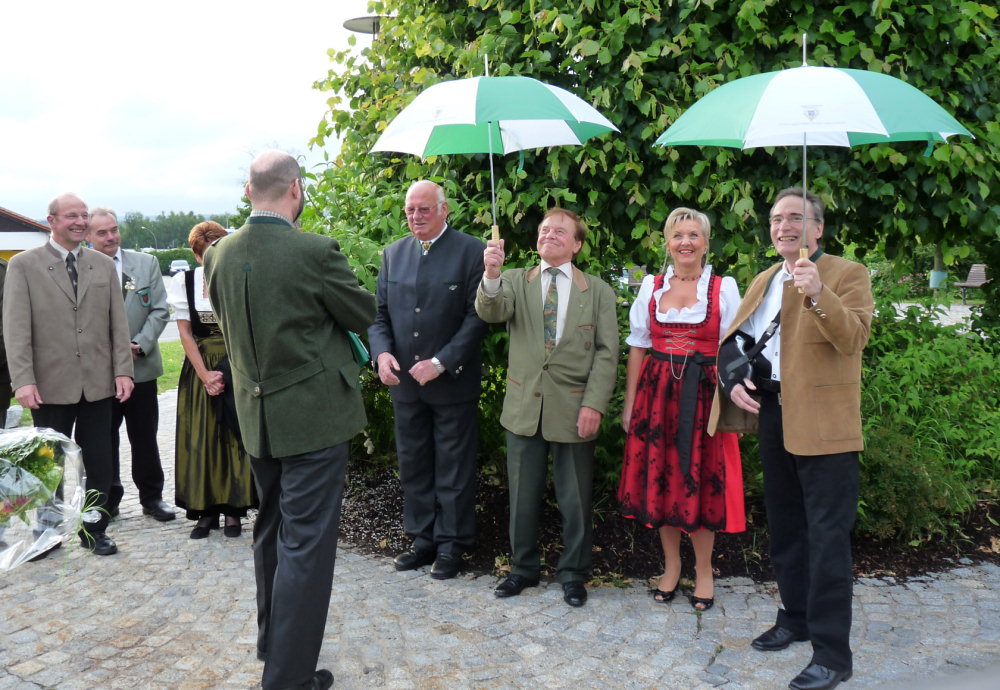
(804, 63)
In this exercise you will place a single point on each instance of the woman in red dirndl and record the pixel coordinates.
(676, 477)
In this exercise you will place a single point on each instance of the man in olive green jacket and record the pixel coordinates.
(285, 301)
(561, 372)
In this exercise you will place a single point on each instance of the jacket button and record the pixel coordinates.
(416, 358)
(79, 330)
(416, 334)
(545, 367)
(256, 390)
(538, 395)
(417, 310)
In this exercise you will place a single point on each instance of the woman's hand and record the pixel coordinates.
(213, 382)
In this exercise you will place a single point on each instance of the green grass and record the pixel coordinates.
(173, 357)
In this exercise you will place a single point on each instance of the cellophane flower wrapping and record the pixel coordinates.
(42, 489)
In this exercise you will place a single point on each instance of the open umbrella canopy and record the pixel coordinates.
(491, 115)
(825, 106)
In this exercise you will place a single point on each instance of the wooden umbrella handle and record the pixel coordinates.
(496, 233)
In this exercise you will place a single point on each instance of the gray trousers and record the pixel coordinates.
(573, 481)
(295, 546)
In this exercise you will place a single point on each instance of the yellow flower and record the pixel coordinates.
(47, 452)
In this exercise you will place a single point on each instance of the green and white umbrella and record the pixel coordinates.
(491, 115)
(812, 106)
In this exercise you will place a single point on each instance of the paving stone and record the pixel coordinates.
(170, 612)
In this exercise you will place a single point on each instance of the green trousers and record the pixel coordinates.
(572, 473)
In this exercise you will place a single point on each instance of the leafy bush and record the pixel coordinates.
(932, 426)
(168, 255)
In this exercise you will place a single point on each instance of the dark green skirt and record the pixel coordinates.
(212, 473)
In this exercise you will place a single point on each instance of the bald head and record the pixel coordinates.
(64, 200)
(271, 174)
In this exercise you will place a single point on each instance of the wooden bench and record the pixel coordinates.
(975, 279)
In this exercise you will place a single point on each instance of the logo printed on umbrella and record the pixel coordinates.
(811, 112)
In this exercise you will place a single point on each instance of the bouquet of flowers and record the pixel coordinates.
(34, 462)
(31, 467)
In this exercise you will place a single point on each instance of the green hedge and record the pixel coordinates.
(167, 255)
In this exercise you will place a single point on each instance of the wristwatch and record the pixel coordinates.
(142, 353)
(437, 365)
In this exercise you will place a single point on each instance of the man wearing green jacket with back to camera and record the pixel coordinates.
(285, 302)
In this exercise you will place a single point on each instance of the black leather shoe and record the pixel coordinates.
(446, 566)
(321, 680)
(159, 510)
(776, 639)
(513, 585)
(113, 512)
(99, 543)
(411, 559)
(574, 593)
(818, 677)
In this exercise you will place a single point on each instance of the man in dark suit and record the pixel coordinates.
(425, 341)
(147, 313)
(809, 418)
(285, 302)
(67, 345)
(561, 371)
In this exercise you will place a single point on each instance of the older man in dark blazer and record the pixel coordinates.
(425, 341)
(147, 313)
(809, 418)
(285, 302)
(67, 345)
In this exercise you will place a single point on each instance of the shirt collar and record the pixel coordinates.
(566, 269)
(63, 252)
(267, 213)
(438, 236)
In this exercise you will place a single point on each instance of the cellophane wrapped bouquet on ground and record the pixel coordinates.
(41, 492)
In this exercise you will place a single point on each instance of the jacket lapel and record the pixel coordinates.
(533, 293)
(57, 269)
(575, 306)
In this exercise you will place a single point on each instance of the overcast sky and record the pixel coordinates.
(156, 107)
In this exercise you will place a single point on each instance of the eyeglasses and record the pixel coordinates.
(793, 219)
(74, 216)
(422, 210)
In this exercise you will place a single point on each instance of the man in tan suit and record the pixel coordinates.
(809, 416)
(561, 371)
(67, 345)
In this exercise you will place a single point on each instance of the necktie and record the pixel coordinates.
(426, 246)
(71, 269)
(550, 310)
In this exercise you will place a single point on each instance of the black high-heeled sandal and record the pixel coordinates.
(661, 597)
(705, 603)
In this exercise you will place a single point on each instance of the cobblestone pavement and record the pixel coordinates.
(171, 612)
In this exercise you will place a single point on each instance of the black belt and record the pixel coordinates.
(690, 378)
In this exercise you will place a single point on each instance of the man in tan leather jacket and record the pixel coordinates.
(809, 419)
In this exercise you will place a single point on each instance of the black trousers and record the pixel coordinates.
(437, 447)
(294, 550)
(93, 435)
(141, 413)
(812, 502)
